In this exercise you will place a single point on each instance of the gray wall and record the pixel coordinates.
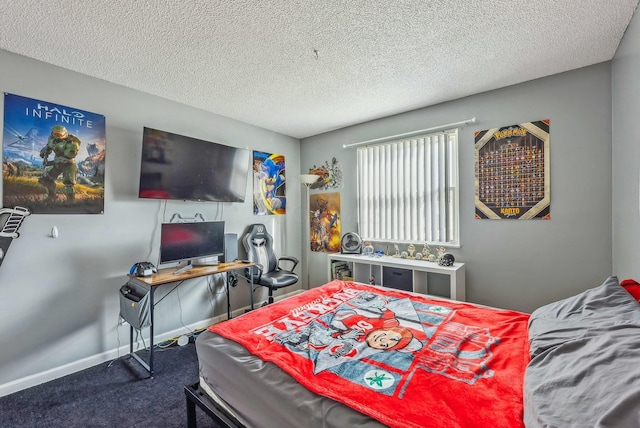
(515, 264)
(58, 297)
(626, 153)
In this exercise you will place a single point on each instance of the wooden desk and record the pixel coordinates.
(167, 276)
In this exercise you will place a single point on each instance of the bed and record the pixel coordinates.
(352, 355)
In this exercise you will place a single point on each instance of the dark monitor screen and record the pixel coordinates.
(191, 241)
(179, 167)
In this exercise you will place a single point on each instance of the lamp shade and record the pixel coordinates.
(308, 178)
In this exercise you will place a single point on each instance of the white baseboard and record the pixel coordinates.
(93, 360)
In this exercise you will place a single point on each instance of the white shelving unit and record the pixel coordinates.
(364, 268)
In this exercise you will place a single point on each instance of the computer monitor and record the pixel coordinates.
(180, 242)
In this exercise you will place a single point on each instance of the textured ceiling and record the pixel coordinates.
(302, 68)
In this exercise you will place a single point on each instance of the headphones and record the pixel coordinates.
(232, 278)
(143, 269)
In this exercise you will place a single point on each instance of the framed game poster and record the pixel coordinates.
(324, 219)
(269, 184)
(512, 172)
(53, 157)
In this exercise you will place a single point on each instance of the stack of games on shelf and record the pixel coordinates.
(341, 270)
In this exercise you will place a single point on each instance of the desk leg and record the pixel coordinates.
(130, 339)
(228, 298)
(151, 305)
(251, 280)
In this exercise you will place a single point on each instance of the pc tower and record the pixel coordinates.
(230, 247)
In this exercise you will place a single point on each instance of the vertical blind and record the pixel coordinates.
(408, 190)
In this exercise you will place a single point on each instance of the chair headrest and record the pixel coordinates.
(258, 231)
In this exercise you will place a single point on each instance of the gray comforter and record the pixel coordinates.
(585, 366)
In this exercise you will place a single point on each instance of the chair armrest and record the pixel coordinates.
(291, 259)
(254, 271)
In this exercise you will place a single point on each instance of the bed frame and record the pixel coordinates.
(218, 414)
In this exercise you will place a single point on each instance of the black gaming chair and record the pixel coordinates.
(259, 247)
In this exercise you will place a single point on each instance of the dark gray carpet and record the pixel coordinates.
(115, 394)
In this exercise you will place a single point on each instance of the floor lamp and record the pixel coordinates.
(307, 180)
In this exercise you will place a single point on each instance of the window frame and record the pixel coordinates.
(448, 160)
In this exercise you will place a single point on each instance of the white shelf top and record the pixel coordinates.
(399, 262)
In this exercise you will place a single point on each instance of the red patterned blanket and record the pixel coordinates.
(404, 359)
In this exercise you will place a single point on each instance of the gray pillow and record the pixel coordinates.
(603, 306)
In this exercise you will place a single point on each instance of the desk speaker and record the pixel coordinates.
(230, 247)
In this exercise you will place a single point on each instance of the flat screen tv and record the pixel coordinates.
(191, 242)
(178, 167)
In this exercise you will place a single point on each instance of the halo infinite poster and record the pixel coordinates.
(53, 157)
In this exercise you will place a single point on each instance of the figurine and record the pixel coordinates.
(397, 250)
(426, 251)
(367, 249)
(447, 259)
(440, 251)
(411, 249)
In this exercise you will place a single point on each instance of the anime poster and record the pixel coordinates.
(329, 175)
(269, 184)
(324, 218)
(512, 172)
(53, 157)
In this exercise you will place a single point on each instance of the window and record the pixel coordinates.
(408, 190)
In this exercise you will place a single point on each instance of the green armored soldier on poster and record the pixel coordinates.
(65, 147)
(53, 157)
